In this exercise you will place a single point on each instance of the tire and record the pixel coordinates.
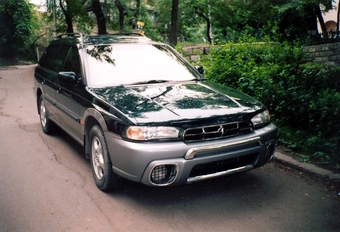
(46, 124)
(101, 165)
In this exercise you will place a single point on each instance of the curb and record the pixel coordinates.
(305, 167)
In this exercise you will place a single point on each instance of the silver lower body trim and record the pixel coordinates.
(219, 174)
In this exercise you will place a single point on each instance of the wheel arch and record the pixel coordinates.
(92, 117)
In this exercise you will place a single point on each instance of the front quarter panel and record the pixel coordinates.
(91, 117)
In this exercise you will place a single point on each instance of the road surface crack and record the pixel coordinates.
(3, 96)
(49, 148)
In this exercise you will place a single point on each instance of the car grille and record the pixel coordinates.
(217, 131)
(223, 165)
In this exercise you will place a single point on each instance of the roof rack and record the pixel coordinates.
(76, 34)
(129, 34)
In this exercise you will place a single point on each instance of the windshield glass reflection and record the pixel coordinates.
(124, 64)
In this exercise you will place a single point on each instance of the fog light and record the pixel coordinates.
(270, 151)
(163, 174)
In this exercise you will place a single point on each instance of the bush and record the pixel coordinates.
(15, 28)
(303, 98)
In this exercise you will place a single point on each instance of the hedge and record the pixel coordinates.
(303, 97)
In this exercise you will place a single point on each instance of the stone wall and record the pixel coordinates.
(194, 52)
(325, 53)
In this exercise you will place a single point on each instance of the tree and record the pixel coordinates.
(195, 21)
(322, 22)
(174, 18)
(291, 19)
(121, 14)
(137, 14)
(338, 20)
(68, 14)
(15, 28)
(195, 18)
(163, 12)
(101, 22)
(204, 11)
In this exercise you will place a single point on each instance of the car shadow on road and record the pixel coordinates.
(269, 195)
(248, 188)
(244, 187)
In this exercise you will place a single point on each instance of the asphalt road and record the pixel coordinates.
(46, 185)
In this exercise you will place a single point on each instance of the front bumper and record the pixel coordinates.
(181, 163)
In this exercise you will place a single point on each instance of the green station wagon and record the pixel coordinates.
(143, 113)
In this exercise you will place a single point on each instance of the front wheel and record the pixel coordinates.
(101, 165)
(46, 124)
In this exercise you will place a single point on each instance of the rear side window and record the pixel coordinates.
(54, 57)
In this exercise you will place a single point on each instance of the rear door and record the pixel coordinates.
(46, 74)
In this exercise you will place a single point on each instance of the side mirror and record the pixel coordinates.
(67, 77)
(200, 69)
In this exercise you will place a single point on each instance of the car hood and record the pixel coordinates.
(176, 101)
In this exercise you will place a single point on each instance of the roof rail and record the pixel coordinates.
(129, 34)
(76, 34)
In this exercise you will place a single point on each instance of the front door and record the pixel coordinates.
(68, 98)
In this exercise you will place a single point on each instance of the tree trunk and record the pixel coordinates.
(121, 14)
(338, 22)
(137, 15)
(322, 22)
(68, 17)
(101, 22)
(209, 26)
(208, 21)
(174, 20)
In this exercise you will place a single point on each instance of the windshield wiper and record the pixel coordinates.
(148, 82)
(163, 81)
(199, 79)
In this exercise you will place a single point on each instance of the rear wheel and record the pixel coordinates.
(46, 124)
(101, 165)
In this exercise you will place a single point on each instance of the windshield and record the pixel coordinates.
(124, 64)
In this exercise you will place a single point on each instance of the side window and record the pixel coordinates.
(47, 58)
(72, 62)
(54, 57)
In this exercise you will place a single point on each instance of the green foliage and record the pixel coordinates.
(230, 20)
(148, 28)
(303, 98)
(15, 27)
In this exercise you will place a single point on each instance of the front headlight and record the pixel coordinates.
(261, 119)
(143, 133)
